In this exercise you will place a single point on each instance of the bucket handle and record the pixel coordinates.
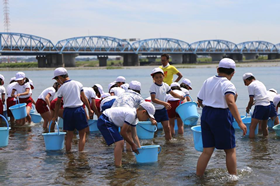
(159, 149)
(6, 122)
(187, 96)
(51, 125)
(155, 128)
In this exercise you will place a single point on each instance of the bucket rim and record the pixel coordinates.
(17, 106)
(195, 127)
(54, 134)
(144, 122)
(4, 128)
(92, 121)
(149, 147)
(35, 114)
(275, 127)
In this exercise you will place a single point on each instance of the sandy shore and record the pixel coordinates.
(199, 65)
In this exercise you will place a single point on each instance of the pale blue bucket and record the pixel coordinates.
(92, 123)
(145, 130)
(188, 112)
(4, 133)
(247, 122)
(235, 124)
(36, 117)
(33, 110)
(148, 154)
(194, 122)
(54, 140)
(270, 122)
(276, 128)
(19, 110)
(197, 138)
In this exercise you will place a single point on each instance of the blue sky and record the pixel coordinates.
(187, 20)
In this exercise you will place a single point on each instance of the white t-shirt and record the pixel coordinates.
(129, 99)
(121, 115)
(213, 91)
(271, 95)
(169, 97)
(2, 91)
(105, 100)
(90, 93)
(71, 92)
(22, 88)
(10, 88)
(160, 91)
(186, 91)
(276, 100)
(117, 91)
(50, 91)
(258, 91)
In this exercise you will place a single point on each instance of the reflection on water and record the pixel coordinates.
(25, 161)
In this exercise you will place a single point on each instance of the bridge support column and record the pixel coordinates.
(130, 60)
(189, 58)
(176, 58)
(42, 61)
(151, 59)
(216, 57)
(69, 60)
(50, 60)
(102, 61)
(273, 56)
(250, 56)
(236, 57)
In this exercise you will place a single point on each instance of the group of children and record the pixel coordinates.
(123, 105)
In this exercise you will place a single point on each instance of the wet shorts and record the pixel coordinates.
(74, 118)
(216, 127)
(161, 115)
(41, 106)
(28, 101)
(172, 112)
(261, 112)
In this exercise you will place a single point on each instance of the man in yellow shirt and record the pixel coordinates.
(169, 70)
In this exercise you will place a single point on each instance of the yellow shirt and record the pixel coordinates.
(169, 71)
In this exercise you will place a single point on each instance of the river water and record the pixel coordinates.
(25, 161)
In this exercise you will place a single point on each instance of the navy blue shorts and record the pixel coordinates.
(261, 112)
(108, 104)
(272, 112)
(216, 127)
(109, 130)
(161, 115)
(74, 118)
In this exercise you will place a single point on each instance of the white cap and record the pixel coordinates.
(105, 95)
(175, 84)
(111, 84)
(247, 75)
(156, 70)
(135, 85)
(100, 88)
(2, 77)
(125, 86)
(20, 76)
(273, 90)
(59, 72)
(13, 79)
(227, 63)
(149, 107)
(187, 82)
(120, 79)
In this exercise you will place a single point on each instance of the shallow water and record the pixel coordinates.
(25, 161)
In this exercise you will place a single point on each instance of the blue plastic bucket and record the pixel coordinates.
(270, 122)
(148, 154)
(247, 122)
(4, 133)
(188, 112)
(54, 140)
(159, 126)
(235, 124)
(276, 128)
(145, 130)
(19, 110)
(92, 123)
(194, 122)
(35, 117)
(197, 138)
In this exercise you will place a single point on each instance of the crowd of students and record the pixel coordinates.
(122, 106)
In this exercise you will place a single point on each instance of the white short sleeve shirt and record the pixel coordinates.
(90, 93)
(10, 88)
(271, 95)
(117, 91)
(22, 88)
(160, 91)
(259, 92)
(50, 91)
(213, 91)
(276, 100)
(169, 97)
(186, 91)
(121, 115)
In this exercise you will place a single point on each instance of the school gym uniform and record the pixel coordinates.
(160, 91)
(216, 119)
(113, 118)
(74, 116)
(117, 91)
(107, 102)
(24, 98)
(129, 99)
(276, 100)
(2, 92)
(90, 93)
(41, 105)
(257, 90)
(272, 111)
(174, 102)
(11, 101)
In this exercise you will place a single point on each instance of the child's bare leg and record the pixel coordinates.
(231, 161)
(172, 125)
(166, 128)
(47, 118)
(180, 125)
(253, 126)
(28, 114)
(203, 160)
(276, 121)
(264, 127)
(82, 140)
(69, 137)
(129, 135)
(118, 153)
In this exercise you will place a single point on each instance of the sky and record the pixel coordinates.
(188, 20)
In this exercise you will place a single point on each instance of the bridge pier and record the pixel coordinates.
(189, 58)
(69, 60)
(102, 61)
(216, 57)
(250, 56)
(50, 60)
(177, 58)
(236, 57)
(151, 59)
(130, 60)
(273, 56)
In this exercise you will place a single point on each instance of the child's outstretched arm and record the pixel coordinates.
(155, 100)
(177, 95)
(135, 137)
(126, 138)
(250, 104)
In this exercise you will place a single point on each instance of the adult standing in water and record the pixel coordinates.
(169, 70)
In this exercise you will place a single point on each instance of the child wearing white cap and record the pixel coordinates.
(158, 92)
(124, 117)
(11, 100)
(120, 81)
(217, 97)
(186, 86)
(272, 113)
(3, 93)
(98, 91)
(91, 96)
(74, 116)
(258, 96)
(276, 102)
